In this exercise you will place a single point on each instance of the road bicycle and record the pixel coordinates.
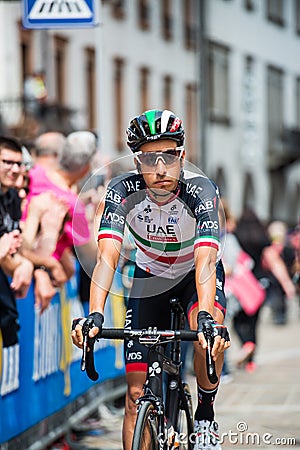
(164, 410)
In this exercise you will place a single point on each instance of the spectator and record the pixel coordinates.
(19, 268)
(47, 149)
(277, 296)
(73, 165)
(41, 231)
(294, 239)
(253, 239)
(35, 94)
(22, 183)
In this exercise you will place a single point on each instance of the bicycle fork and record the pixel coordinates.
(153, 391)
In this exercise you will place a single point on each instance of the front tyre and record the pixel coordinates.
(145, 435)
(185, 422)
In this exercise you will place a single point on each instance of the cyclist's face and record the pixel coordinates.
(161, 171)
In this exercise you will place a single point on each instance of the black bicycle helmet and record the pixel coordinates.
(153, 125)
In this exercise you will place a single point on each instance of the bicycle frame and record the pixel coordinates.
(158, 363)
(177, 398)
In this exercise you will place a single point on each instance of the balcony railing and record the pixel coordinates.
(25, 119)
(287, 151)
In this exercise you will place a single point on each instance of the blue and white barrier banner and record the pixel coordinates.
(41, 375)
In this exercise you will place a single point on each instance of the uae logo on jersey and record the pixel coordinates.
(161, 234)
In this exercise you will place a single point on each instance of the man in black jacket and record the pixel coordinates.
(16, 266)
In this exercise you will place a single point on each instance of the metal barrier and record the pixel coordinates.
(42, 389)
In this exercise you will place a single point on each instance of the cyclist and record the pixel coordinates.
(173, 217)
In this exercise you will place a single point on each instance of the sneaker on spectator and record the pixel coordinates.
(250, 367)
(245, 354)
(206, 434)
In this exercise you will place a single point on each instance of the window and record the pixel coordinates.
(191, 123)
(249, 102)
(297, 16)
(166, 19)
(220, 180)
(275, 11)
(190, 14)
(118, 9)
(60, 51)
(298, 102)
(275, 108)
(144, 14)
(167, 92)
(249, 192)
(249, 5)
(218, 83)
(90, 76)
(119, 101)
(26, 40)
(144, 88)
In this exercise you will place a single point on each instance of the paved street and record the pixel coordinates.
(255, 411)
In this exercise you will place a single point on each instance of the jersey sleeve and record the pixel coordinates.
(207, 217)
(113, 220)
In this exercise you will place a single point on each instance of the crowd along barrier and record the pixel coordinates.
(41, 374)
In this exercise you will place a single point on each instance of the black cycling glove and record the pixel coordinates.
(210, 328)
(94, 319)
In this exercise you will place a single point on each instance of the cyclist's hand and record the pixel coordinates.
(208, 328)
(97, 322)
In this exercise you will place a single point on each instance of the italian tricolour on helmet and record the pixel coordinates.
(153, 125)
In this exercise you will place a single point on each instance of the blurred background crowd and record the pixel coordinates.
(227, 68)
(45, 217)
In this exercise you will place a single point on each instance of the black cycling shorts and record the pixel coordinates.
(149, 306)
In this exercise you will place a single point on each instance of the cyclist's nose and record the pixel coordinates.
(160, 167)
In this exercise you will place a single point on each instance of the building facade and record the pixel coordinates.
(253, 140)
(229, 68)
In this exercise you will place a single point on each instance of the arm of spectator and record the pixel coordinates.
(37, 206)
(58, 274)
(44, 290)
(44, 223)
(276, 265)
(52, 226)
(22, 276)
(10, 243)
(87, 253)
(67, 261)
(41, 244)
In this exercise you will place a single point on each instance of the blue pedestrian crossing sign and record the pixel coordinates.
(59, 13)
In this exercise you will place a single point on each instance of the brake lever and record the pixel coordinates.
(210, 363)
(87, 360)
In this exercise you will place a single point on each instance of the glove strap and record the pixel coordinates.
(204, 315)
(97, 318)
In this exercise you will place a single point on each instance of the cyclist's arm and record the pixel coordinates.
(109, 253)
(205, 265)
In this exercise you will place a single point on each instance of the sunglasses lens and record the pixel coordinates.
(169, 157)
(148, 158)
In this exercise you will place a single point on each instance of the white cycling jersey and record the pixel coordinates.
(165, 234)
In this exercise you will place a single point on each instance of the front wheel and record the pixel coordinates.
(146, 432)
(185, 422)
